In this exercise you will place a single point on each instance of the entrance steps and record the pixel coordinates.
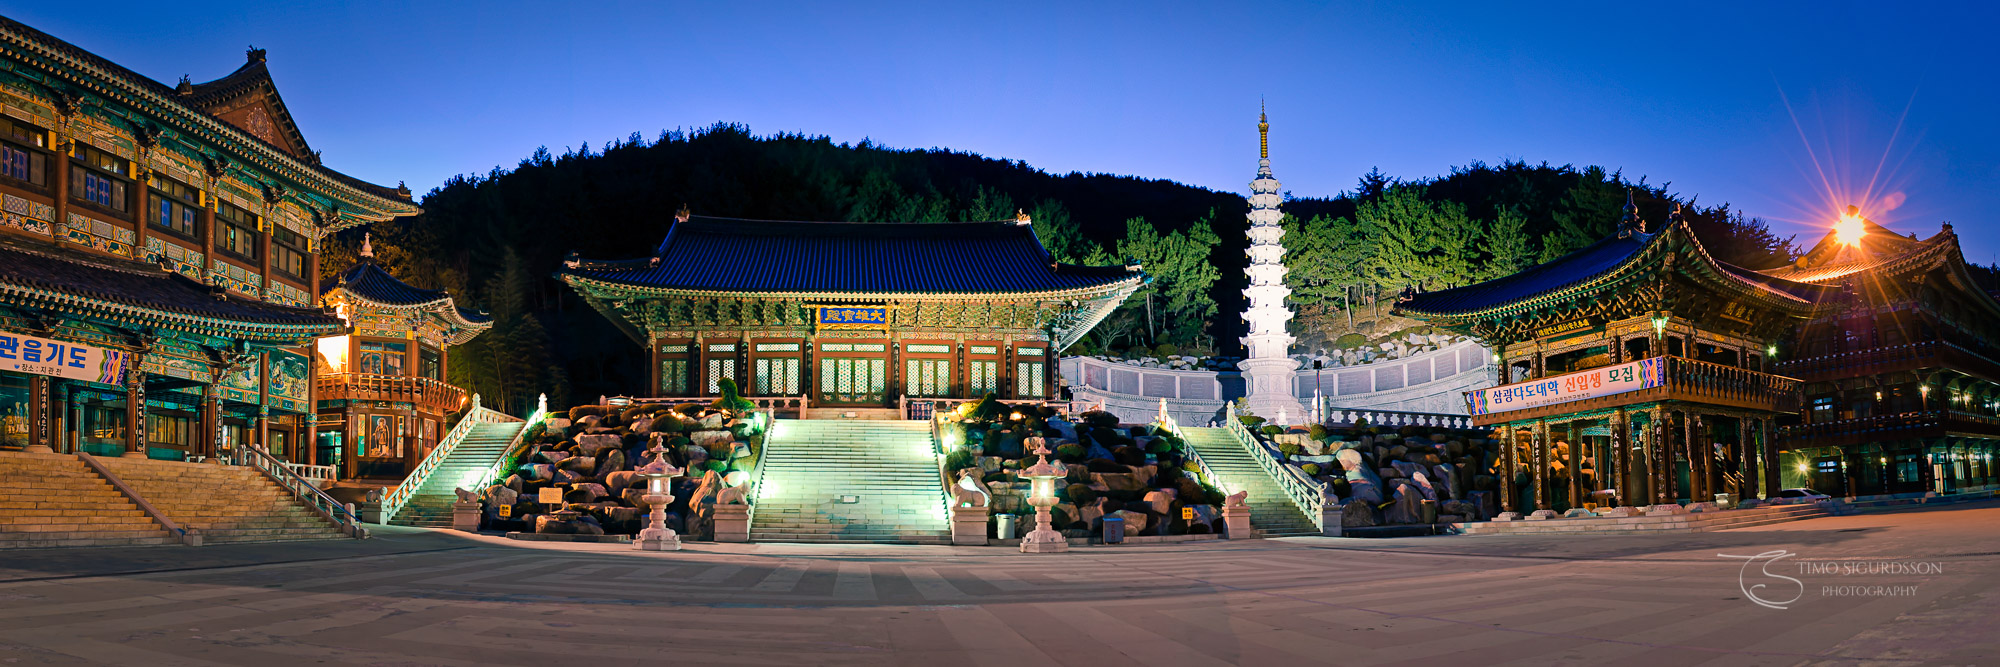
(876, 414)
(483, 446)
(224, 503)
(1272, 513)
(853, 481)
(54, 500)
(1699, 522)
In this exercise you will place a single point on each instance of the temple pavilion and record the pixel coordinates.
(381, 391)
(1634, 371)
(851, 317)
(1902, 386)
(159, 257)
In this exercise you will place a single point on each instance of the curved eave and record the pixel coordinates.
(463, 329)
(1709, 268)
(363, 207)
(182, 322)
(600, 286)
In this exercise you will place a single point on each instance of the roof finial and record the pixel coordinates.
(1631, 224)
(368, 245)
(1263, 132)
(185, 87)
(254, 54)
(1021, 218)
(683, 214)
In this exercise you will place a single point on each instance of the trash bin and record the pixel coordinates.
(1725, 500)
(1006, 527)
(1114, 530)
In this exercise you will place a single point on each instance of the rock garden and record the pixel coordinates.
(591, 453)
(1391, 476)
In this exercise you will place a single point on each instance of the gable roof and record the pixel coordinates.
(114, 80)
(1830, 260)
(727, 255)
(367, 282)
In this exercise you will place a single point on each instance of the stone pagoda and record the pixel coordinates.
(1268, 368)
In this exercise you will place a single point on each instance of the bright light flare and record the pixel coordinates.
(1850, 230)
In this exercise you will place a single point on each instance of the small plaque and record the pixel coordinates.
(849, 500)
(1187, 514)
(551, 495)
(506, 511)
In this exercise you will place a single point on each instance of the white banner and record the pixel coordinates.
(42, 356)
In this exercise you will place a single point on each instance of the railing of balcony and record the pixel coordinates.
(1682, 379)
(1895, 357)
(434, 396)
(1896, 425)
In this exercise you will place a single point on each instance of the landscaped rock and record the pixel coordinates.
(590, 445)
(1446, 478)
(1162, 500)
(1134, 521)
(1578, 513)
(713, 420)
(1408, 507)
(1357, 514)
(988, 464)
(1118, 481)
(712, 437)
(739, 449)
(1423, 484)
(1541, 515)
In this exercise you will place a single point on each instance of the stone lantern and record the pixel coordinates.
(1044, 539)
(658, 537)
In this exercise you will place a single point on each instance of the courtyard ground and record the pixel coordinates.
(1911, 587)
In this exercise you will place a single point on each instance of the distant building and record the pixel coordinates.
(1901, 366)
(159, 257)
(381, 391)
(1634, 371)
(851, 317)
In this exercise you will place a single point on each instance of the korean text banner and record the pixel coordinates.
(1634, 376)
(31, 354)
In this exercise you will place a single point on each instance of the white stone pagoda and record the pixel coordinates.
(1268, 369)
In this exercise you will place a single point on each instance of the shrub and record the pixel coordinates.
(732, 400)
(1291, 449)
(1166, 350)
(1312, 469)
(1272, 429)
(1316, 431)
(1159, 446)
(958, 459)
(582, 411)
(1251, 420)
(1070, 453)
(1350, 341)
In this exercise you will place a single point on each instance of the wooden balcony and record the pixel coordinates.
(1875, 361)
(1686, 380)
(1889, 428)
(430, 396)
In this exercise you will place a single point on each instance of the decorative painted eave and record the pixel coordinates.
(355, 205)
(1654, 249)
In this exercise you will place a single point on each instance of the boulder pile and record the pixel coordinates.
(1399, 475)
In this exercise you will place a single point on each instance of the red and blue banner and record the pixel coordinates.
(42, 356)
(1593, 383)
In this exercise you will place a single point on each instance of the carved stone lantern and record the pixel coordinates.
(658, 537)
(1044, 539)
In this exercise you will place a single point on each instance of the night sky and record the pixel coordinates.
(1786, 111)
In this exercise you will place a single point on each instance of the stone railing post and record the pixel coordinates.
(732, 523)
(968, 526)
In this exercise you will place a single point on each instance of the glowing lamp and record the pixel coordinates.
(1803, 468)
(1042, 494)
(658, 537)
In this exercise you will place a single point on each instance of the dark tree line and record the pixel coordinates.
(495, 239)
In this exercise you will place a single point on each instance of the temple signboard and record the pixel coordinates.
(1593, 383)
(853, 317)
(22, 353)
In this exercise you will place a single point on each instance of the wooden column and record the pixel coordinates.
(63, 145)
(40, 415)
(1510, 444)
(1575, 464)
(1621, 451)
(207, 232)
(264, 393)
(141, 206)
(654, 381)
(1661, 457)
(350, 441)
(136, 441)
(1539, 453)
(211, 415)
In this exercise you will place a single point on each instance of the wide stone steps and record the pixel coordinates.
(478, 452)
(225, 504)
(54, 500)
(888, 466)
(1271, 511)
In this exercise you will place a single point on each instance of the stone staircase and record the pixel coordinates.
(430, 506)
(54, 500)
(850, 481)
(223, 503)
(1271, 511)
(1698, 522)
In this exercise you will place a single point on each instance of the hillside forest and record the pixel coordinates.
(494, 239)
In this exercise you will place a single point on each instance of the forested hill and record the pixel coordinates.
(495, 239)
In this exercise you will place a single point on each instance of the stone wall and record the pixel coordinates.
(1430, 382)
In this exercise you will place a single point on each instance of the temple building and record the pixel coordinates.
(835, 317)
(381, 391)
(1634, 371)
(159, 257)
(1902, 382)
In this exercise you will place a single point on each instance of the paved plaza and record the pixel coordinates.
(1913, 587)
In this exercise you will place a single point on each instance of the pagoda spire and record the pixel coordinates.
(1268, 369)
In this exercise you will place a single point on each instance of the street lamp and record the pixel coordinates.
(1042, 494)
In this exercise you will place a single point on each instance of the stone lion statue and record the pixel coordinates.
(967, 493)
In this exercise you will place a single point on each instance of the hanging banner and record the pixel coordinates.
(1634, 376)
(22, 353)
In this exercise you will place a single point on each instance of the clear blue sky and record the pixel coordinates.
(1694, 95)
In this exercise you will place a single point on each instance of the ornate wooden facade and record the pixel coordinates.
(1634, 371)
(169, 233)
(382, 396)
(1901, 367)
(851, 315)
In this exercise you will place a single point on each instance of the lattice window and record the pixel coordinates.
(777, 377)
(717, 370)
(927, 377)
(674, 377)
(982, 378)
(1028, 381)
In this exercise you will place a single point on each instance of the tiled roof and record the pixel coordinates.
(1831, 260)
(369, 281)
(60, 273)
(729, 255)
(1575, 268)
(245, 78)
